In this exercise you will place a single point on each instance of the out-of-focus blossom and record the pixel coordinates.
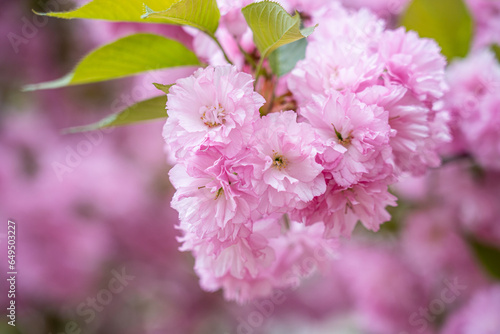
(478, 316)
(486, 15)
(473, 195)
(370, 270)
(386, 9)
(473, 101)
(433, 243)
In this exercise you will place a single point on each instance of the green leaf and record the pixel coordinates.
(162, 87)
(284, 58)
(496, 50)
(488, 256)
(447, 21)
(272, 26)
(125, 57)
(146, 110)
(114, 10)
(201, 14)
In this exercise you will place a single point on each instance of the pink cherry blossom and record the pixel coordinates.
(419, 131)
(215, 106)
(239, 266)
(340, 209)
(415, 63)
(252, 265)
(391, 69)
(286, 173)
(332, 67)
(355, 137)
(214, 196)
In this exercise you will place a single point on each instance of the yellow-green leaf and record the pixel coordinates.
(201, 14)
(447, 21)
(146, 110)
(114, 10)
(283, 59)
(125, 57)
(272, 26)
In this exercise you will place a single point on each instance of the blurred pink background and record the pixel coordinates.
(96, 238)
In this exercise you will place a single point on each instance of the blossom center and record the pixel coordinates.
(220, 191)
(279, 161)
(213, 116)
(343, 141)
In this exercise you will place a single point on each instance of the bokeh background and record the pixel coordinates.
(96, 237)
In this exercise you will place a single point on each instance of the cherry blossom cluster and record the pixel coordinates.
(258, 191)
(473, 102)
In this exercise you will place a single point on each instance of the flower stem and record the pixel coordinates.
(247, 56)
(258, 71)
(222, 49)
